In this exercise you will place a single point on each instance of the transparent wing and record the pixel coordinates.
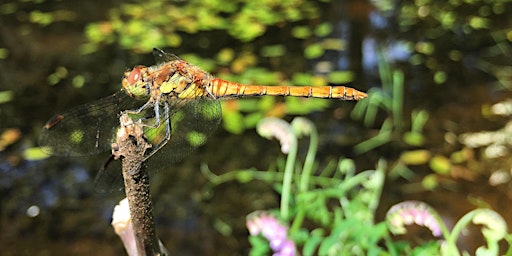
(87, 129)
(162, 57)
(191, 123)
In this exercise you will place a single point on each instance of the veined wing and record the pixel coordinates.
(162, 57)
(191, 122)
(87, 129)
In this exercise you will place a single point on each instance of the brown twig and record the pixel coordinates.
(130, 146)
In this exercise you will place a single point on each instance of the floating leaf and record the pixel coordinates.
(6, 96)
(440, 164)
(78, 81)
(323, 29)
(226, 55)
(4, 53)
(430, 182)
(233, 121)
(34, 154)
(340, 77)
(440, 77)
(414, 138)
(415, 157)
(273, 50)
(301, 32)
(313, 51)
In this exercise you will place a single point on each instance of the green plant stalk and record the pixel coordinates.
(451, 240)
(287, 179)
(384, 72)
(380, 176)
(390, 245)
(350, 184)
(347, 168)
(382, 138)
(508, 238)
(419, 118)
(310, 160)
(305, 176)
(255, 174)
(398, 99)
(297, 221)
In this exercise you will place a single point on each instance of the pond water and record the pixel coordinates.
(49, 207)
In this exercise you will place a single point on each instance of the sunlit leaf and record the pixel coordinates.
(301, 32)
(225, 55)
(334, 44)
(341, 77)
(415, 157)
(251, 120)
(425, 47)
(440, 77)
(41, 17)
(440, 164)
(313, 51)
(78, 81)
(196, 138)
(233, 122)
(479, 22)
(301, 79)
(273, 50)
(4, 53)
(430, 182)
(34, 154)
(323, 29)
(6, 96)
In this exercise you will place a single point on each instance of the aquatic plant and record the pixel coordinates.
(337, 201)
(414, 212)
(307, 195)
(390, 99)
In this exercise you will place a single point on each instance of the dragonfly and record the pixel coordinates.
(177, 102)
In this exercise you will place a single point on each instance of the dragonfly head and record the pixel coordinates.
(135, 83)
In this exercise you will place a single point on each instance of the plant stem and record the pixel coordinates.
(130, 146)
(287, 179)
(310, 160)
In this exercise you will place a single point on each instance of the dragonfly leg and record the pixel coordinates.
(168, 129)
(156, 109)
(210, 93)
(157, 113)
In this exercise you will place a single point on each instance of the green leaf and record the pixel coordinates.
(6, 96)
(311, 245)
(323, 29)
(233, 122)
(273, 50)
(313, 51)
(301, 32)
(341, 77)
(34, 154)
(4, 53)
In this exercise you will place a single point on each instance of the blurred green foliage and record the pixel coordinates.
(444, 32)
(142, 25)
(389, 98)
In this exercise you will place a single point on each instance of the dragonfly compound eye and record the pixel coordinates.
(134, 76)
(134, 83)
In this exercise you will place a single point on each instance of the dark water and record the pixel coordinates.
(191, 217)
